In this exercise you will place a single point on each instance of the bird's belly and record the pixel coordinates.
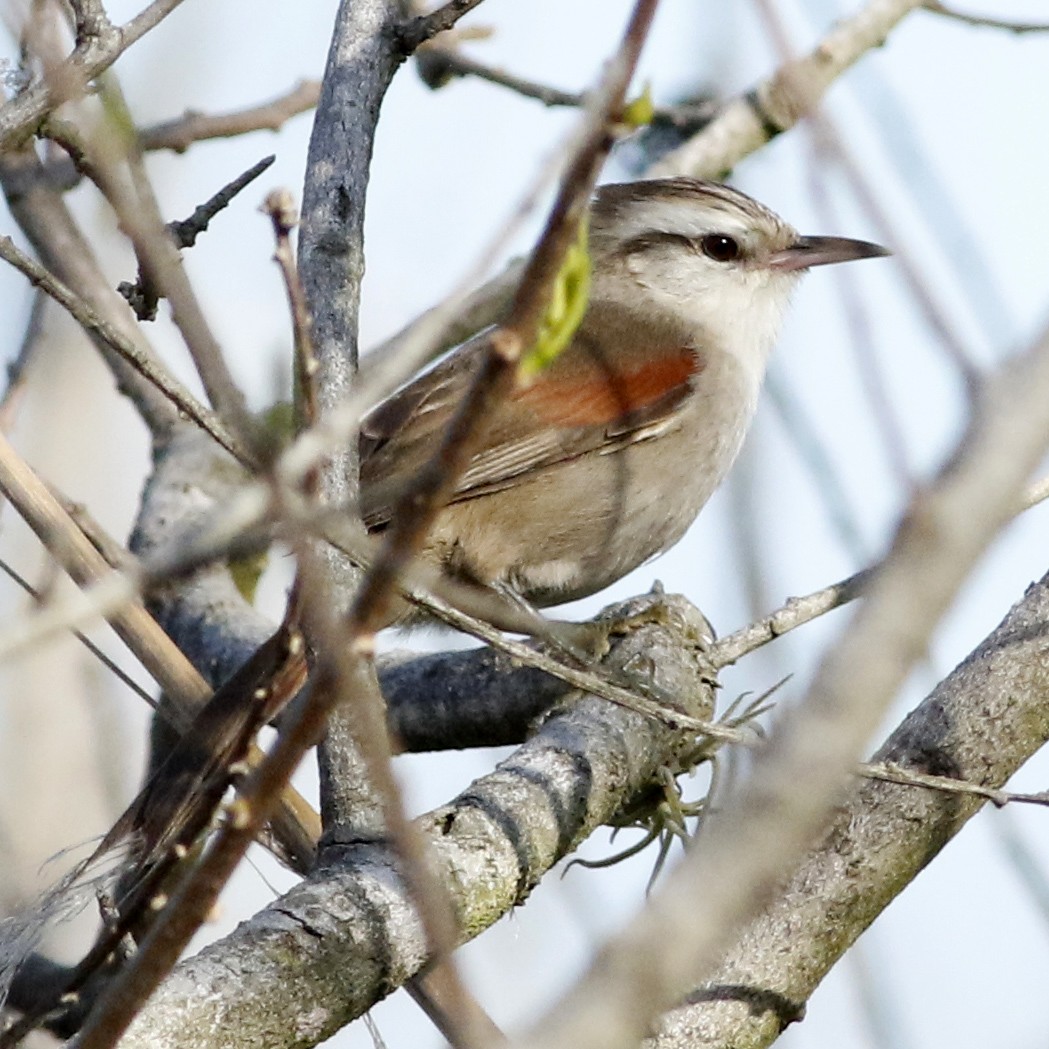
(573, 529)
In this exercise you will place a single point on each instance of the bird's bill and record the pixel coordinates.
(806, 252)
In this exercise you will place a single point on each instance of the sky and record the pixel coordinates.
(944, 124)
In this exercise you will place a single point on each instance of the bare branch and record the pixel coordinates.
(991, 23)
(910, 778)
(437, 65)
(280, 207)
(141, 361)
(424, 27)
(978, 725)
(92, 55)
(584, 761)
(776, 104)
(185, 688)
(362, 59)
(764, 833)
(186, 231)
(142, 295)
(798, 611)
(178, 135)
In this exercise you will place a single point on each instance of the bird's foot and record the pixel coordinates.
(590, 642)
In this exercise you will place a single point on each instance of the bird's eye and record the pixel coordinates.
(719, 247)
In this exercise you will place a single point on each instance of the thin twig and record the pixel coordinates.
(18, 369)
(438, 64)
(798, 611)
(947, 785)
(416, 31)
(991, 23)
(110, 664)
(133, 355)
(585, 680)
(142, 295)
(186, 231)
(280, 206)
(178, 135)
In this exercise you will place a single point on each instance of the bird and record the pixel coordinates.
(605, 458)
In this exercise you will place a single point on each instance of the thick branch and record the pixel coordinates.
(362, 59)
(347, 936)
(981, 723)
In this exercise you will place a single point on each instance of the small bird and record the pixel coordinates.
(606, 458)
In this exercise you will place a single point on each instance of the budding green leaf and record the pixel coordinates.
(565, 311)
(641, 110)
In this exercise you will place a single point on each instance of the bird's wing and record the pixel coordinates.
(580, 405)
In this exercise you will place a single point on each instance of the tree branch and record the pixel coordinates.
(178, 135)
(990, 23)
(133, 355)
(361, 62)
(761, 835)
(348, 935)
(418, 30)
(776, 104)
(94, 53)
(56, 239)
(980, 724)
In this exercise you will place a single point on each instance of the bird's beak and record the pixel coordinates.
(819, 251)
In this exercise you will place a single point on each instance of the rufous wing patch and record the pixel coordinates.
(598, 396)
